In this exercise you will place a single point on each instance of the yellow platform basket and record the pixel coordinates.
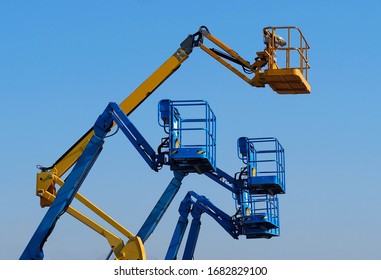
(287, 81)
(288, 65)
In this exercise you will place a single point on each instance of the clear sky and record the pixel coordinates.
(61, 62)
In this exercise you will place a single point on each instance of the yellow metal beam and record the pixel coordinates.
(226, 48)
(226, 64)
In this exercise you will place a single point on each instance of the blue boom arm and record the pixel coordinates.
(196, 205)
(161, 206)
(66, 194)
(223, 179)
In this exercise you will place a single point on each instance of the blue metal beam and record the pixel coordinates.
(223, 179)
(135, 137)
(161, 206)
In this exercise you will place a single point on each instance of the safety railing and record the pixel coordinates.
(191, 125)
(293, 50)
(264, 157)
(259, 214)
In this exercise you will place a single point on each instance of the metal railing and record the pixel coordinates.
(275, 42)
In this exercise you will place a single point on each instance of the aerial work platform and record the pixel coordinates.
(287, 71)
(191, 126)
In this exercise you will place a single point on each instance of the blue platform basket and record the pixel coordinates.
(258, 215)
(191, 129)
(265, 164)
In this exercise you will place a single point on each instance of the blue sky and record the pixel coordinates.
(61, 62)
